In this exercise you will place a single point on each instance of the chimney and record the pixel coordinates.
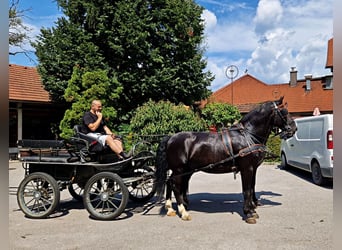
(308, 78)
(293, 77)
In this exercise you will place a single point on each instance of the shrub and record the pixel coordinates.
(273, 145)
(164, 117)
(220, 114)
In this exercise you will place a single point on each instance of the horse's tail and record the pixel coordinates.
(161, 167)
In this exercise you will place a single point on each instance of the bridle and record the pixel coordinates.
(286, 128)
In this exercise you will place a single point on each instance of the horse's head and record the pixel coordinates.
(283, 119)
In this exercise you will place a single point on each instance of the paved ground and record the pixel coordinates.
(296, 215)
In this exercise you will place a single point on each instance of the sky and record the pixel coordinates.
(262, 37)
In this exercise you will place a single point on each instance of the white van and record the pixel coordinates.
(311, 147)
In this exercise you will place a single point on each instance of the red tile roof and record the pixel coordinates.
(330, 51)
(247, 91)
(25, 85)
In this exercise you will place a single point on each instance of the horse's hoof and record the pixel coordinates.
(255, 216)
(251, 220)
(171, 213)
(186, 217)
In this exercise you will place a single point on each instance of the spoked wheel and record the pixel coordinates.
(144, 188)
(105, 196)
(38, 195)
(76, 190)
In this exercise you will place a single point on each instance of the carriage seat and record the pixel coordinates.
(93, 145)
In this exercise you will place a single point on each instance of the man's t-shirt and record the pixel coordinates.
(88, 118)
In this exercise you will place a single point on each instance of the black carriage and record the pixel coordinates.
(91, 173)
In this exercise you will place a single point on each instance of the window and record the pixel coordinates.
(310, 130)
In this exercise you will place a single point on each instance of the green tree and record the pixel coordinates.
(164, 117)
(59, 50)
(153, 48)
(220, 114)
(84, 87)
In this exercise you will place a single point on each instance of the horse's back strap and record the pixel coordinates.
(251, 149)
(227, 141)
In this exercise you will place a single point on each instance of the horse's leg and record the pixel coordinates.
(185, 188)
(178, 191)
(168, 202)
(255, 200)
(248, 206)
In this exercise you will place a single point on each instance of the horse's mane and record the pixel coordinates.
(254, 111)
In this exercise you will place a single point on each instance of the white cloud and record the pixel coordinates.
(268, 15)
(222, 36)
(271, 54)
(313, 64)
(281, 34)
(311, 8)
(32, 33)
(299, 39)
(210, 20)
(231, 37)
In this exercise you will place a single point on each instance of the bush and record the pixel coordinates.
(273, 145)
(220, 114)
(163, 118)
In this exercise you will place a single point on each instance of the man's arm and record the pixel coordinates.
(107, 130)
(96, 124)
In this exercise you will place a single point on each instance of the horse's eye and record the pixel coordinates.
(284, 112)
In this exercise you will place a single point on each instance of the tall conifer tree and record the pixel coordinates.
(149, 49)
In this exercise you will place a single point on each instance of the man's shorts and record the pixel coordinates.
(98, 136)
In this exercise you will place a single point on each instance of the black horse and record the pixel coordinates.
(241, 148)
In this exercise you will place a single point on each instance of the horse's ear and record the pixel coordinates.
(280, 101)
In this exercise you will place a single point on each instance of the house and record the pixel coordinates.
(31, 112)
(302, 95)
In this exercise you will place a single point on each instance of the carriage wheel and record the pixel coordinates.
(145, 188)
(76, 191)
(38, 195)
(105, 196)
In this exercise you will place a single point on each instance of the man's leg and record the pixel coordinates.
(116, 146)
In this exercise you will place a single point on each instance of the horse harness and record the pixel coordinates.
(227, 142)
(250, 138)
(226, 139)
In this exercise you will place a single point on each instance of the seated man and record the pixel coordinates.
(97, 128)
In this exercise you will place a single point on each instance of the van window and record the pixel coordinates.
(316, 129)
(310, 129)
(302, 130)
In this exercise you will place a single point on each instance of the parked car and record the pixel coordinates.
(311, 147)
